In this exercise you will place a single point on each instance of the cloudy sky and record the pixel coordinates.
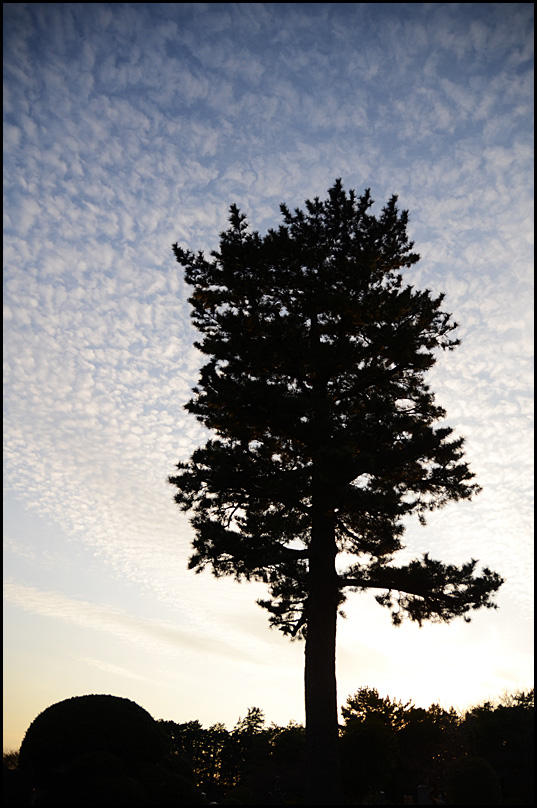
(129, 126)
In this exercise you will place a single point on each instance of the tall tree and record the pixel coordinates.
(324, 432)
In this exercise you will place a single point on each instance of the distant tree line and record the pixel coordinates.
(391, 753)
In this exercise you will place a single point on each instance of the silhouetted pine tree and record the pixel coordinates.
(325, 437)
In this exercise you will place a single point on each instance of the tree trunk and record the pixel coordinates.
(323, 785)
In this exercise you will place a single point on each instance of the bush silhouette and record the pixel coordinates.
(89, 724)
(473, 781)
(102, 750)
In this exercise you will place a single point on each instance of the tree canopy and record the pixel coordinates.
(316, 385)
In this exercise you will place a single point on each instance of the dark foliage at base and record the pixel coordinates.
(391, 753)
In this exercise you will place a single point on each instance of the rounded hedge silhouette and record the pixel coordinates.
(89, 724)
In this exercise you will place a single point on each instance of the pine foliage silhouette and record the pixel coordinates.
(325, 436)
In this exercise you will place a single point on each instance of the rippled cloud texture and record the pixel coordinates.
(130, 126)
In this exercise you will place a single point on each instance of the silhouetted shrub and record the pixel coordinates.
(90, 724)
(503, 735)
(168, 787)
(102, 750)
(472, 781)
